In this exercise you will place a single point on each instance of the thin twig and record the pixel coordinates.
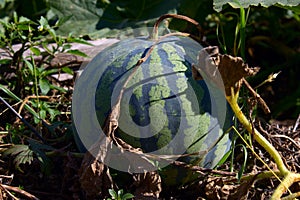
(24, 121)
(8, 192)
(155, 29)
(8, 177)
(19, 191)
(202, 169)
(290, 139)
(257, 96)
(296, 124)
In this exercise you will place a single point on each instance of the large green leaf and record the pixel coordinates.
(218, 4)
(90, 16)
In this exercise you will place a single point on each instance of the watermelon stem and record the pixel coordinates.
(154, 35)
(289, 177)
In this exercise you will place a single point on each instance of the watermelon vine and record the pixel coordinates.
(225, 71)
(233, 72)
(232, 98)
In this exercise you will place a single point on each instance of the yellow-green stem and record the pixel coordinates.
(261, 175)
(288, 180)
(232, 100)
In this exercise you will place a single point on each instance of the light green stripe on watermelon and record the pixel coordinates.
(174, 57)
(158, 116)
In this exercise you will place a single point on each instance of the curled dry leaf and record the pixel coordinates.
(225, 71)
(242, 190)
(95, 178)
(148, 185)
(216, 188)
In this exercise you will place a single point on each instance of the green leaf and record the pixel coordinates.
(15, 97)
(84, 14)
(244, 165)
(295, 9)
(43, 22)
(39, 149)
(218, 4)
(78, 40)
(44, 86)
(62, 20)
(23, 27)
(224, 158)
(120, 193)
(29, 65)
(36, 145)
(49, 72)
(5, 61)
(52, 32)
(67, 46)
(35, 50)
(25, 20)
(23, 154)
(113, 193)
(127, 196)
(42, 114)
(58, 88)
(67, 70)
(77, 52)
(15, 149)
(53, 113)
(89, 16)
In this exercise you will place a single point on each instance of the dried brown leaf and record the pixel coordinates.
(223, 70)
(242, 191)
(217, 189)
(148, 185)
(95, 178)
(138, 161)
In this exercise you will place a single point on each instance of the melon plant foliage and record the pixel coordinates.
(218, 4)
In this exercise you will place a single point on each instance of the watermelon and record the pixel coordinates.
(164, 109)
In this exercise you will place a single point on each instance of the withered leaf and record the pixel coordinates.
(225, 71)
(148, 185)
(242, 191)
(95, 179)
(216, 188)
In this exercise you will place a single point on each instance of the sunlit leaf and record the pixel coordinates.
(29, 65)
(89, 16)
(77, 53)
(44, 86)
(112, 193)
(58, 88)
(127, 196)
(53, 113)
(67, 70)
(42, 114)
(15, 97)
(78, 40)
(35, 50)
(218, 4)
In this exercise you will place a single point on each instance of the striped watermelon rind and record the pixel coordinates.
(164, 111)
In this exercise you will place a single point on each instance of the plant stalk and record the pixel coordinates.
(232, 100)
